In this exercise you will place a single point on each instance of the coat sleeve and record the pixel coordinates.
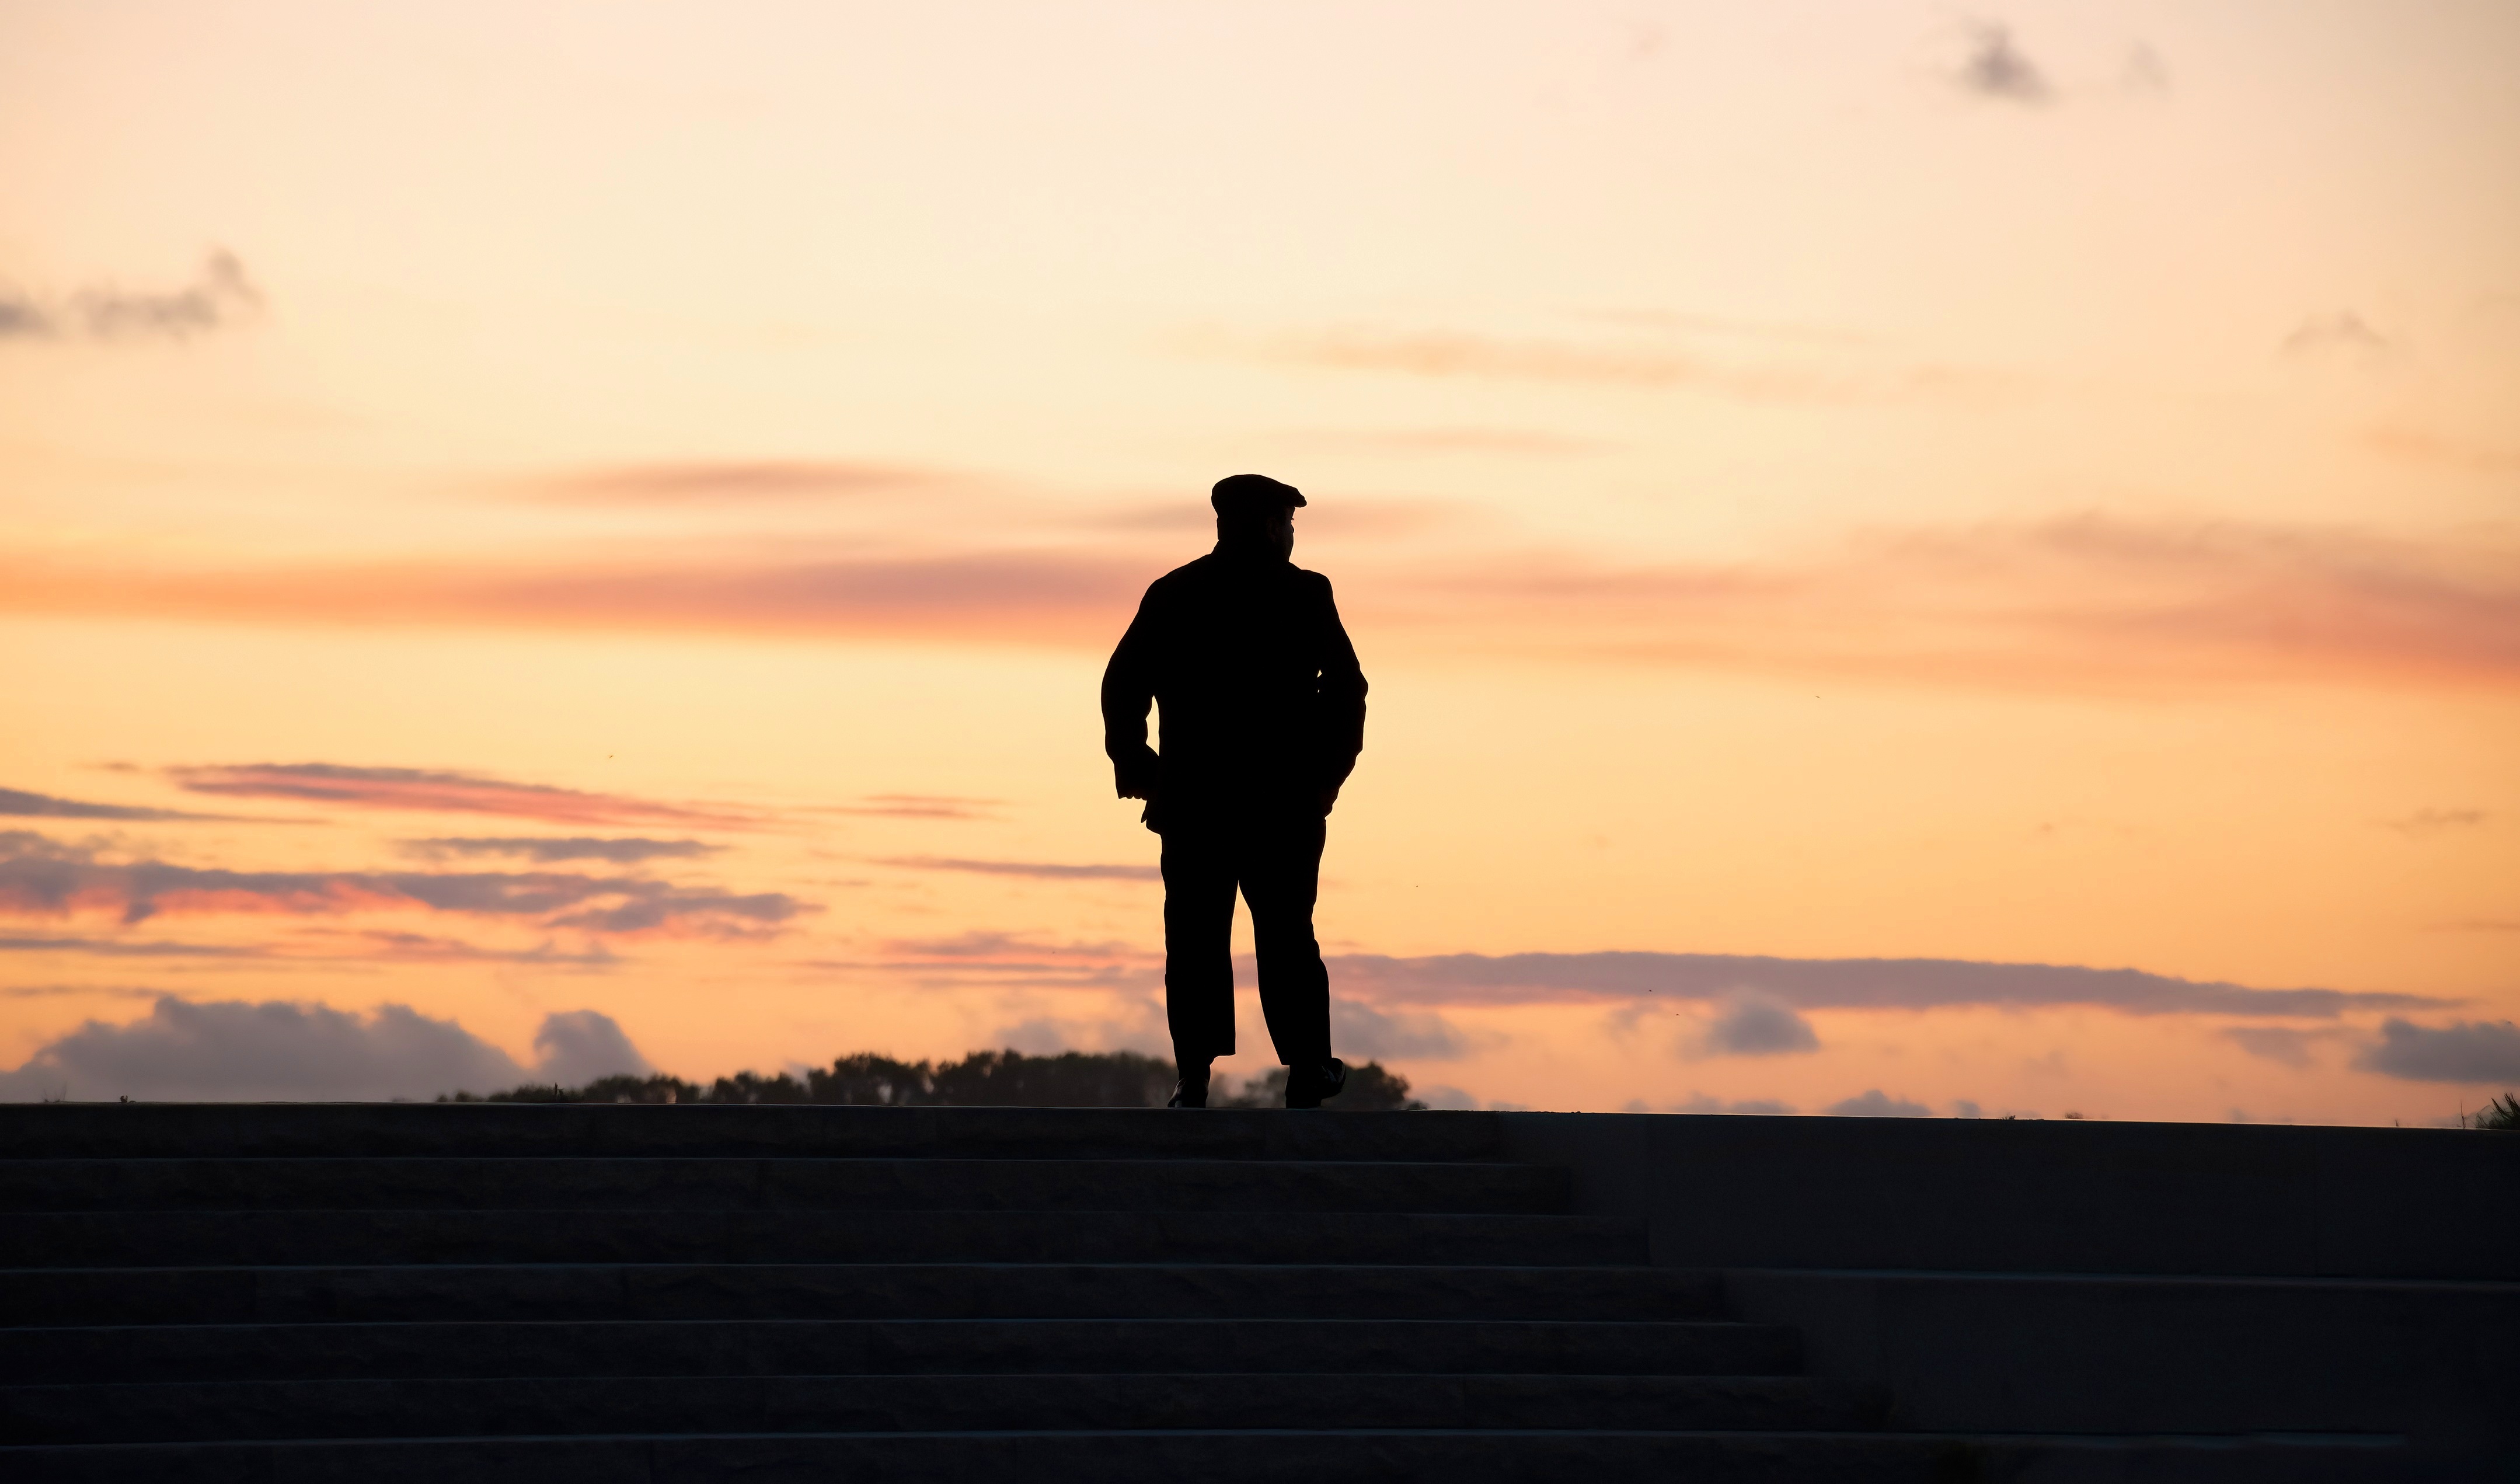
(1342, 725)
(1128, 694)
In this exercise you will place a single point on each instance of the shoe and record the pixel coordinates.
(1308, 1086)
(1188, 1094)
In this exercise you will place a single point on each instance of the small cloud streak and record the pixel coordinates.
(2444, 452)
(731, 482)
(913, 806)
(1450, 354)
(1046, 870)
(426, 791)
(2284, 1045)
(543, 850)
(2340, 333)
(2477, 1052)
(119, 948)
(41, 878)
(2428, 822)
(20, 804)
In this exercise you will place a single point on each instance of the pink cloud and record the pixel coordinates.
(437, 792)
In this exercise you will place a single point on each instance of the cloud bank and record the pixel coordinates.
(234, 1050)
(1805, 984)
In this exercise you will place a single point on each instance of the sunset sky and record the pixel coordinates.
(1857, 516)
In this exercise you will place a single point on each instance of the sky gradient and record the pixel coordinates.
(1910, 558)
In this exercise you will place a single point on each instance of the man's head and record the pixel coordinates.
(1256, 510)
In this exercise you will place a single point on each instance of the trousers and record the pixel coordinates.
(1274, 858)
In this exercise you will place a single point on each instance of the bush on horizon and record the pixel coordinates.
(983, 1079)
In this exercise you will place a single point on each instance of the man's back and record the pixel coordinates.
(1263, 717)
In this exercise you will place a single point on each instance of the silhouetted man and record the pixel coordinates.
(1263, 716)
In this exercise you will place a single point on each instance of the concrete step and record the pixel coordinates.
(182, 1412)
(798, 1182)
(67, 1296)
(888, 1347)
(160, 1237)
(124, 1130)
(1240, 1457)
(2112, 1353)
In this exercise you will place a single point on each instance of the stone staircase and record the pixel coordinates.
(560, 1293)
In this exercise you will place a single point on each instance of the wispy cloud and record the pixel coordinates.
(1030, 598)
(1416, 441)
(124, 948)
(18, 803)
(2288, 1045)
(80, 991)
(1009, 949)
(726, 481)
(1047, 870)
(1807, 985)
(1873, 1103)
(2086, 603)
(2443, 451)
(2478, 1053)
(2340, 333)
(913, 806)
(548, 851)
(219, 296)
(44, 879)
(2426, 822)
(1657, 365)
(319, 946)
(428, 790)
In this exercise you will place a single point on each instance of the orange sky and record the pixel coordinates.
(623, 508)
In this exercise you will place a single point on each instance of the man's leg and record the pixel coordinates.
(1282, 879)
(1199, 947)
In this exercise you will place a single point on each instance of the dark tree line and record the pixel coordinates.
(983, 1079)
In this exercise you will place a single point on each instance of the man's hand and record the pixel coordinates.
(1137, 776)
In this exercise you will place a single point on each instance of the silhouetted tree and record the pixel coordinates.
(983, 1079)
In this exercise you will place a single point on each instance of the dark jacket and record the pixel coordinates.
(1263, 701)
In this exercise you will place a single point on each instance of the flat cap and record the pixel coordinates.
(1252, 495)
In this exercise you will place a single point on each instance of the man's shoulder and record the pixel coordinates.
(1187, 574)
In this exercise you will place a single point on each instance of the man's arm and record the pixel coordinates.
(1341, 725)
(1128, 693)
